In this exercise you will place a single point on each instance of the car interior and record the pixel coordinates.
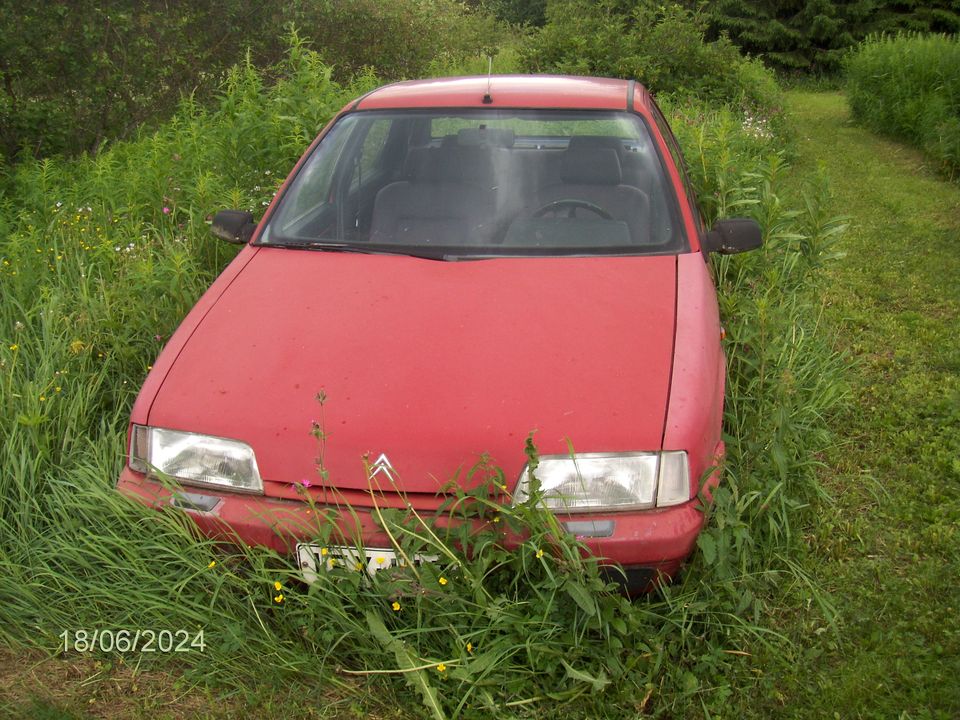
(482, 187)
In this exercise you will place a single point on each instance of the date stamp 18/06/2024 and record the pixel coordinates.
(140, 640)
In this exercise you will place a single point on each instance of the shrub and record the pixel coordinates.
(79, 73)
(908, 86)
(396, 39)
(660, 45)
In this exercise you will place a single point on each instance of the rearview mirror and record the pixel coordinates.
(733, 236)
(234, 226)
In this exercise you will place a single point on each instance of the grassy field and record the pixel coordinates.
(888, 546)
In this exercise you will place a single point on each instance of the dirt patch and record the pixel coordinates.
(36, 686)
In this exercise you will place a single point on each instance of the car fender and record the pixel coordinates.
(695, 406)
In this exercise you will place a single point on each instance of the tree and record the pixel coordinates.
(813, 35)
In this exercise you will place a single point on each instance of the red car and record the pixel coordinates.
(457, 263)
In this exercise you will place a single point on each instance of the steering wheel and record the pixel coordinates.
(572, 205)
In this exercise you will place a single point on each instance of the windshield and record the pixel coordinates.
(482, 183)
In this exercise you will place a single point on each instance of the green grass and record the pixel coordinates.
(888, 545)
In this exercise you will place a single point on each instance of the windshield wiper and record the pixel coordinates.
(344, 247)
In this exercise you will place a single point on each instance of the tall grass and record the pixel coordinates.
(101, 257)
(908, 86)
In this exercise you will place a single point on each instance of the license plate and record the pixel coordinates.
(313, 559)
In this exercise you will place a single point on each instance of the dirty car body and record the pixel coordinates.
(457, 263)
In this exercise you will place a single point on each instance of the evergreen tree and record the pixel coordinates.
(812, 35)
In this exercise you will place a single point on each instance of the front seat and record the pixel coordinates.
(593, 175)
(434, 205)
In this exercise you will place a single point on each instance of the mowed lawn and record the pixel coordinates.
(888, 547)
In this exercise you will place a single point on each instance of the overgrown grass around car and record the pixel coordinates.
(100, 258)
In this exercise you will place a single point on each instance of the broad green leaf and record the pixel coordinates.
(598, 683)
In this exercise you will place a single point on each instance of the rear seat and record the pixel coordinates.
(632, 164)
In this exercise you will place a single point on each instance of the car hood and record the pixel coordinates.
(431, 363)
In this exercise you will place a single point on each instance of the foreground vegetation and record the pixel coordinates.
(908, 86)
(102, 256)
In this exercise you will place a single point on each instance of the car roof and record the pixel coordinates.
(518, 91)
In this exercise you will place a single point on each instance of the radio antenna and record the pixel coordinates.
(487, 98)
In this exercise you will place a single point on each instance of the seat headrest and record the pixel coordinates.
(426, 164)
(590, 166)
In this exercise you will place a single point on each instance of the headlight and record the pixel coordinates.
(592, 482)
(195, 459)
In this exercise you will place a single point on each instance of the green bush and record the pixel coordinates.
(396, 39)
(908, 86)
(662, 46)
(79, 73)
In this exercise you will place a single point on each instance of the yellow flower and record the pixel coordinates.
(278, 598)
(14, 347)
(324, 551)
(539, 554)
(213, 564)
(277, 585)
(381, 560)
(57, 389)
(441, 668)
(470, 647)
(396, 606)
(496, 519)
(442, 581)
(42, 398)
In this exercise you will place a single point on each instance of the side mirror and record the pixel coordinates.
(733, 236)
(234, 226)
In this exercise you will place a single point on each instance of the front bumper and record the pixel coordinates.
(649, 545)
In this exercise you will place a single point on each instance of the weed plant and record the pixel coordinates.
(908, 86)
(99, 260)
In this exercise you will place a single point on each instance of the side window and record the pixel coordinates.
(677, 156)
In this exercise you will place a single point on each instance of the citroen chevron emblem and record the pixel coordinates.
(382, 465)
